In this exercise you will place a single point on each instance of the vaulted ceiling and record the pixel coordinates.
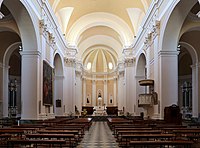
(107, 26)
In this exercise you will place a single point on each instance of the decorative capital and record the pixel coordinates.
(127, 51)
(52, 38)
(121, 74)
(79, 66)
(70, 62)
(129, 62)
(71, 52)
(46, 31)
(147, 39)
(156, 28)
(78, 73)
(120, 66)
(42, 25)
(154, 31)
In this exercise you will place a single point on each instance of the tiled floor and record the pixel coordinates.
(98, 136)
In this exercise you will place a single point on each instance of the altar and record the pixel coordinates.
(99, 111)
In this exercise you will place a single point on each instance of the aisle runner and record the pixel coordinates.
(99, 136)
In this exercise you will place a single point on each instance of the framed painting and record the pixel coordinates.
(47, 84)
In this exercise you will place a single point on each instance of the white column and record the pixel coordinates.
(69, 86)
(78, 94)
(4, 88)
(115, 92)
(130, 87)
(31, 84)
(105, 93)
(168, 78)
(198, 87)
(121, 91)
(195, 92)
(58, 94)
(156, 76)
(84, 92)
(1, 14)
(94, 93)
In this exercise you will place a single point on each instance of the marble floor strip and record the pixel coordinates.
(98, 136)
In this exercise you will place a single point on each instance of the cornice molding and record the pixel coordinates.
(195, 66)
(163, 53)
(99, 79)
(2, 65)
(30, 53)
(194, 17)
(59, 77)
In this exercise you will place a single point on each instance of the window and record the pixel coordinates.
(110, 65)
(89, 65)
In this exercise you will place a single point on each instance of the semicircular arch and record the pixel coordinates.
(100, 40)
(141, 65)
(174, 18)
(100, 19)
(191, 50)
(27, 25)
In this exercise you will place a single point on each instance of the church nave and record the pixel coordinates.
(98, 136)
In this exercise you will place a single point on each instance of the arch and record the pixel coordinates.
(96, 47)
(58, 84)
(191, 51)
(91, 52)
(173, 19)
(63, 16)
(27, 25)
(140, 74)
(100, 40)
(145, 5)
(141, 65)
(58, 64)
(55, 4)
(100, 19)
(190, 27)
(136, 16)
(9, 29)
(6, 58)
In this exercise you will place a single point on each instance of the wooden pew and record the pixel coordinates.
(116, 128)
(126, 138)
(128, 129)
(25, 129)
(132, 132)
(86, 121)
(80, 130)
(15, 132)
(13, 143)
(182, 143)
(69, 138)
(4, 138)
(74, 132)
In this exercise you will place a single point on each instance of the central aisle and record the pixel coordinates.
(98, 136)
